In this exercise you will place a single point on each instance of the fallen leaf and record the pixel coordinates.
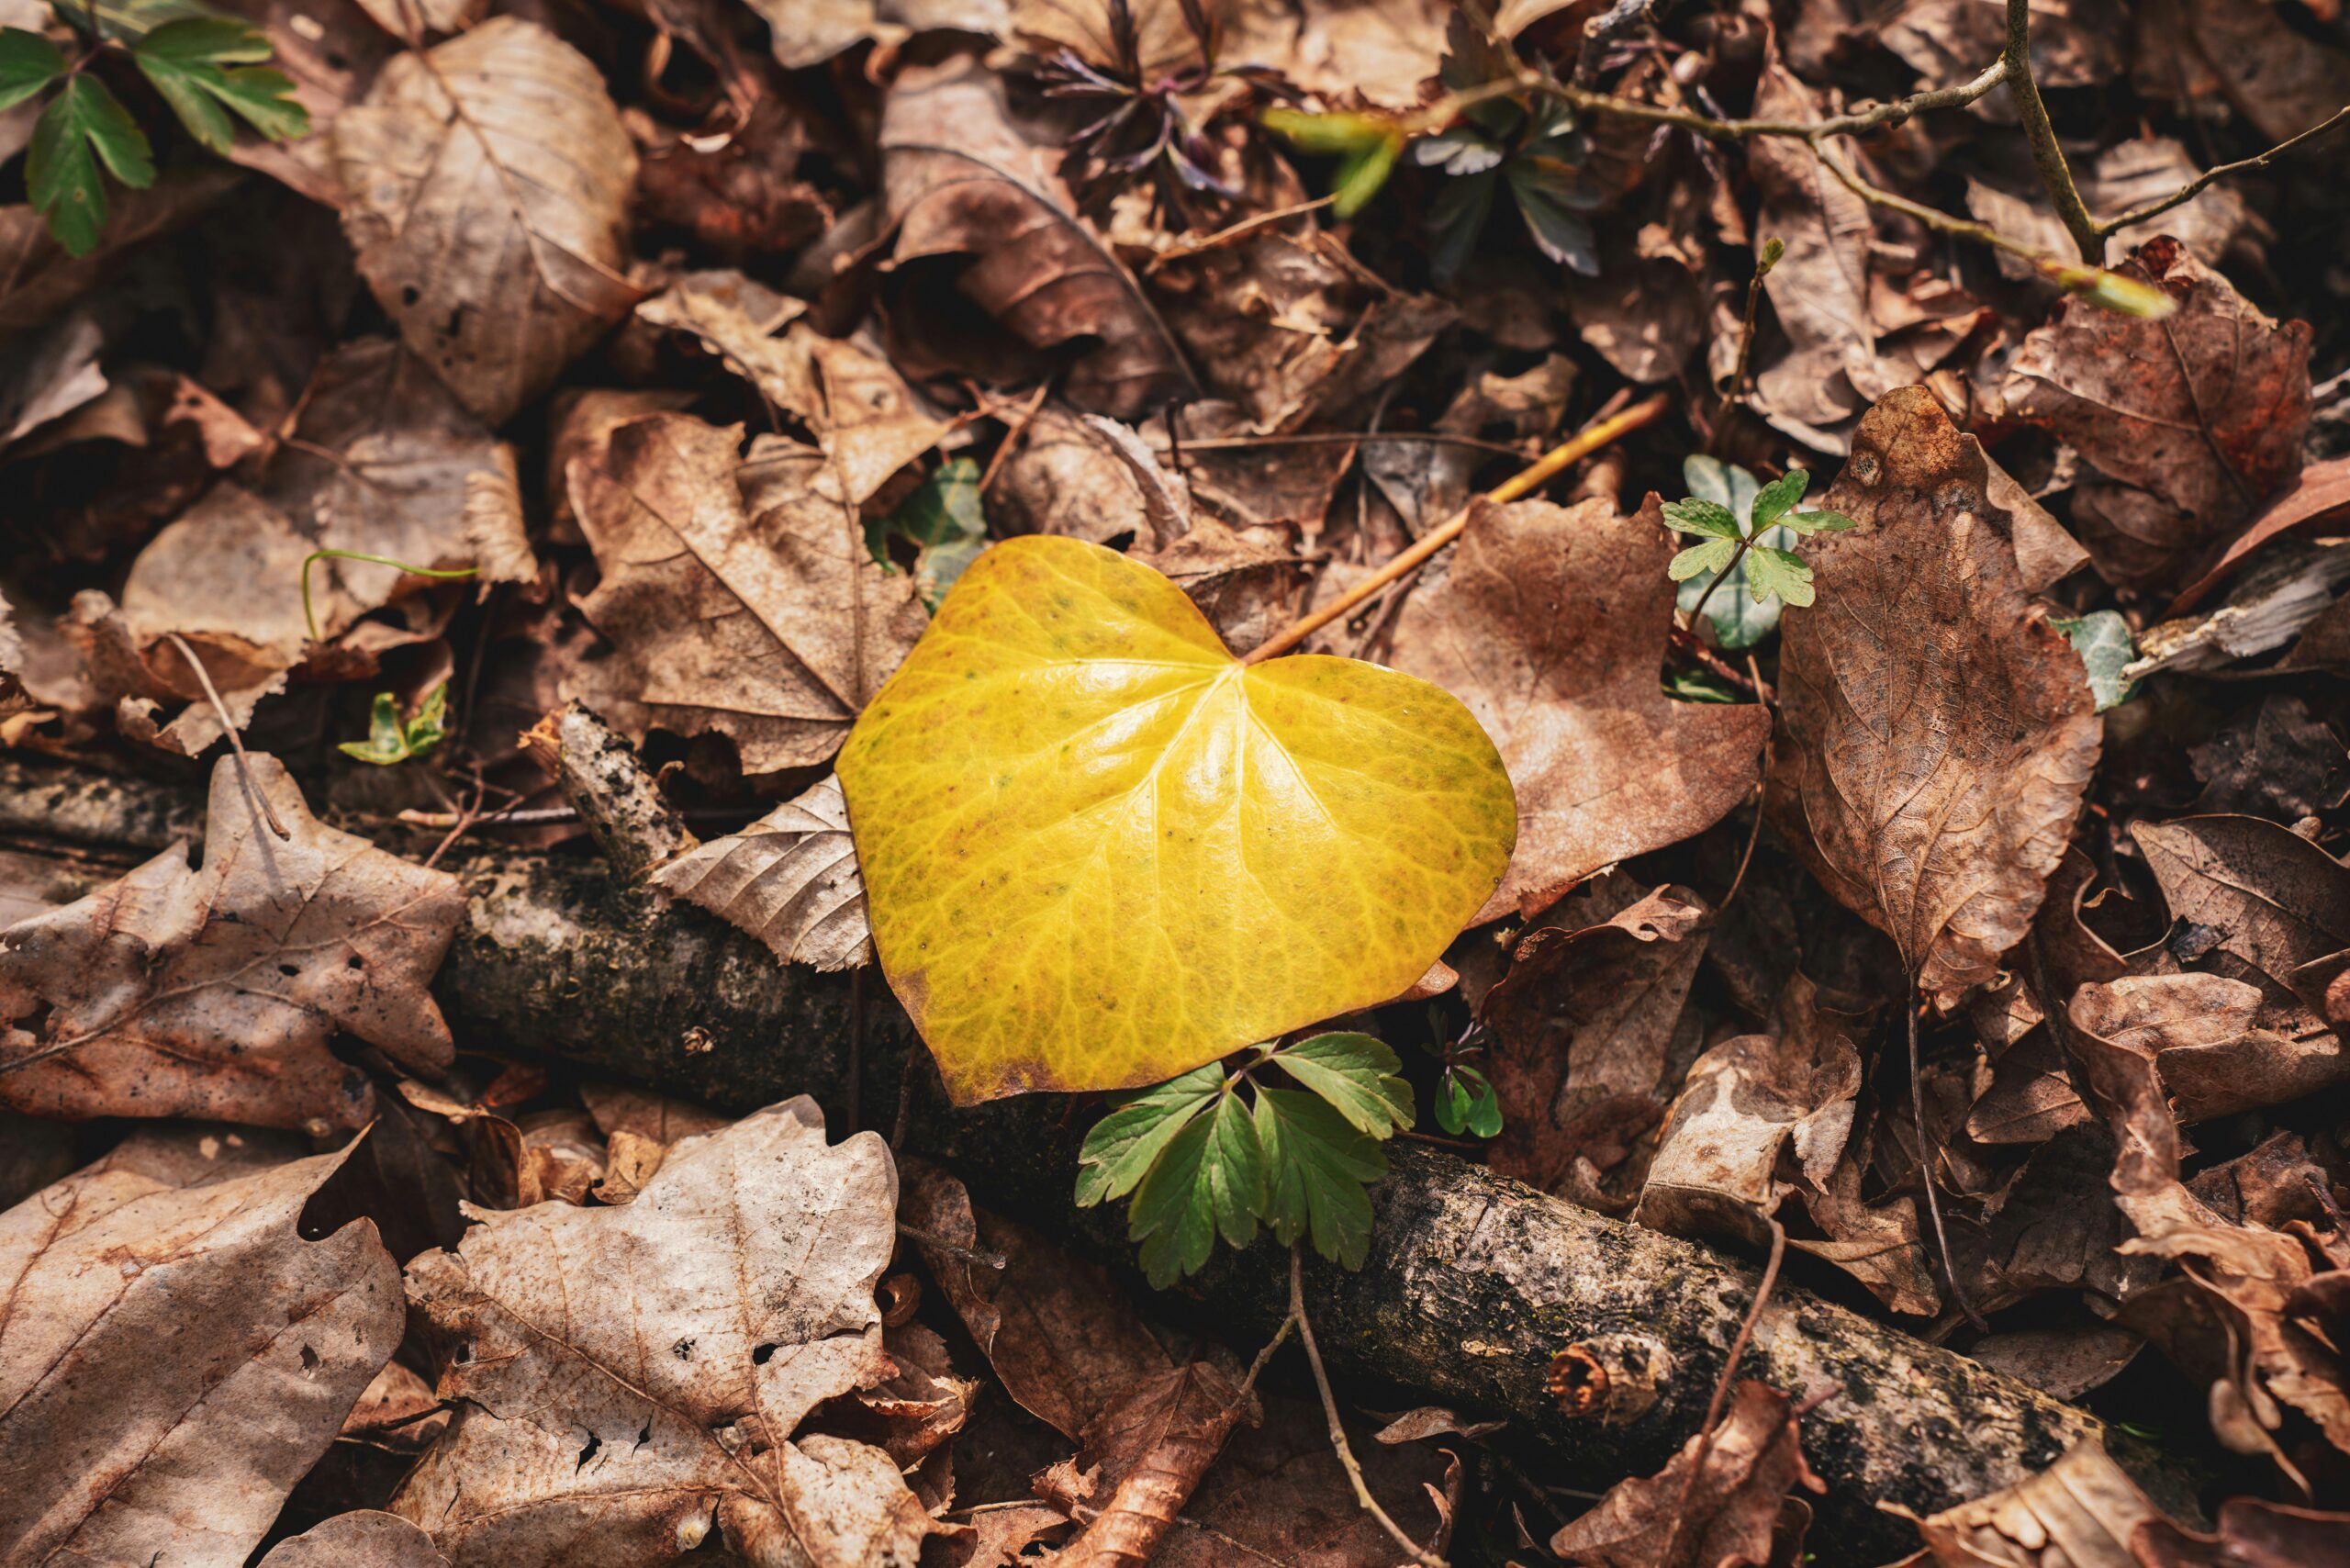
(489, 180)
(1820, 287)
(616, 1426)
(1933, 803)
(1099, 850)
(176, 1353)
(215, 991)
(745, 598)
(1726, 1513)
(809, 32)
(1072, 474)
(2191, 421)
(965, 176)
(2283, 764)
(2254, 1533)
(2319, 493)
(1143, 1456)
(361, 1540)
(2270, 900)
(789, 879)
(2278, 77)
(2080, 1512)
(2065, 1362)
(1551, 626)
(2075, 43)
(2125, 176)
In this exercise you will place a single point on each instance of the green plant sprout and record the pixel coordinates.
(1734, 536)
(1202, 1161)
(204, 66)
(392, 739)
(311, 615)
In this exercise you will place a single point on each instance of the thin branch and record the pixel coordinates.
(1735, 393)
(1926, 1166)
(1347, 1460)
(2195, 186)
(1575, 448)
(228, 728)
(1333, 438)
(2055, 174)
(1722, 1385)
(1876, 116)
(1761, 793)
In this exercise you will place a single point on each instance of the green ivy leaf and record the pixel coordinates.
(1118, 1152)
(1318, 1164)
(2103, 641)
(1357, 1075)
(201, 64)
(1781, 572)
(1775, 499)
(1710, 518)
(1701, 560)
(84, 126)
(943, 519)
(27, 64)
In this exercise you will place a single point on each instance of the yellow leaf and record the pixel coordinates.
(1100, 851)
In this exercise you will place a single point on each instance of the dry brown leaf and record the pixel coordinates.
(2126, 176)
(965, 176)
(1819, 288)
(362, 1540)
(615, 1425)
(2067, 1363)
(1936, 734)
(174, 1354)
(487, 183)
(789, 879)
(2075, 43)
(2193, 421)
(2254, 1533)
(2262, 898)
(215, 991)
(2319, 493)
(2078, 1513)
(1726, 1518)
(1141, 1458)
(1550, 625)
(744, 596)
(2278, 77)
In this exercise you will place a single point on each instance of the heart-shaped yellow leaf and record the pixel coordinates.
(1100, 851)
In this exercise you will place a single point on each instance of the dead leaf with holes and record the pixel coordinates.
(487, 182)
(214, 991)
(2190, 422)
(617, 1427)
(174, 1353)
(1550, 626)
(1936, 735)
(739, 590)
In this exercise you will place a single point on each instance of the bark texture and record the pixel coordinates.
(1473, 1286)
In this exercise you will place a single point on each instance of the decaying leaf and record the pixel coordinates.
(1936, 734)
(789, 879)
(966, 176)
(1550, 626)
(1098, 850)
(2192, 420)
(1140, 1458)
(362, 1540)
(614, 1426)
(489, 180)
(214, 991)
(173, 1352)
(2262, 897)
(2080, 1512)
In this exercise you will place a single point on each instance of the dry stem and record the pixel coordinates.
(228, 728)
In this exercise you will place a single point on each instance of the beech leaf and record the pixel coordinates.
(1099, 850)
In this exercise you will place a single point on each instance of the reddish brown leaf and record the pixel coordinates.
(1726, 1516)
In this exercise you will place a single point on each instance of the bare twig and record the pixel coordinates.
(2195, 186)
(1722, 1385)
(1735, 392)
(1575, 448)
(2055, 174)
(228, 728)
(980, 1256)
(1346, 1452)
(1874, 116)
(1926, 1167)
(1761, 793)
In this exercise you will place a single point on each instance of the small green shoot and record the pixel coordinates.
(1467, 1103)
(311, 615)
(1742, 524)
(1202, 1161)
(391, 738)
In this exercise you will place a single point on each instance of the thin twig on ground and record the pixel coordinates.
(1729, 1375)
(1346, 1452)
(1926, 1166)
(228, 728)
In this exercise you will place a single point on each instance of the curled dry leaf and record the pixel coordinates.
(367, 1539)
(1550, 625)
(965, 176)
(1936, 733)
(1140, 1458)
(2080, 1512)
(611, 1428)
(2264, 903)
(214, 991)
(2192, 422)
(1820, 287)
(487, 183)
(1728, 1512)
(174, 1354)
(745, 597)
(789, 879)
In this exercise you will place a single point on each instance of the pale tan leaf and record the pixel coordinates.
(789, 879)
(2077, 1513)
(362, 1540)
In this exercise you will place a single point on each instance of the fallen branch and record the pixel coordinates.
(1474, 1284)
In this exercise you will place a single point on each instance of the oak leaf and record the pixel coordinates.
(214, 991)
(1099, 850)
(1936, 733)
(615, 1425)
(1551, 626)
(487, 182)
(175, 1353)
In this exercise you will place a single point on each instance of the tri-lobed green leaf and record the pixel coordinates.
(1733, 545)
(27, 64)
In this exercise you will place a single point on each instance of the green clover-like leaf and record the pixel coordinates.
(1118, 1152)
(1775, 499)
(1710, 518)
(1701, 560)
(1209, 1180)
(1781, 572)
(205, 66)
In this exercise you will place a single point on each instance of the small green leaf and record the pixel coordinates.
(1458, 215)
(2102, 639)
(943, 519)
(1484, 1114)
(1318, 1165)
(1773, 500)
(1819, 521)
(1120, 1150)
(27, 64)
(1362, 173)
(1781, 572)
(1710, 518)
(1544, 200)
(201, 64)
(1357, 1075)
(84, 125)
(1235, 1168)
(1173, 1212)
(1701, 560)
(389, 740)
(1701, 686)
